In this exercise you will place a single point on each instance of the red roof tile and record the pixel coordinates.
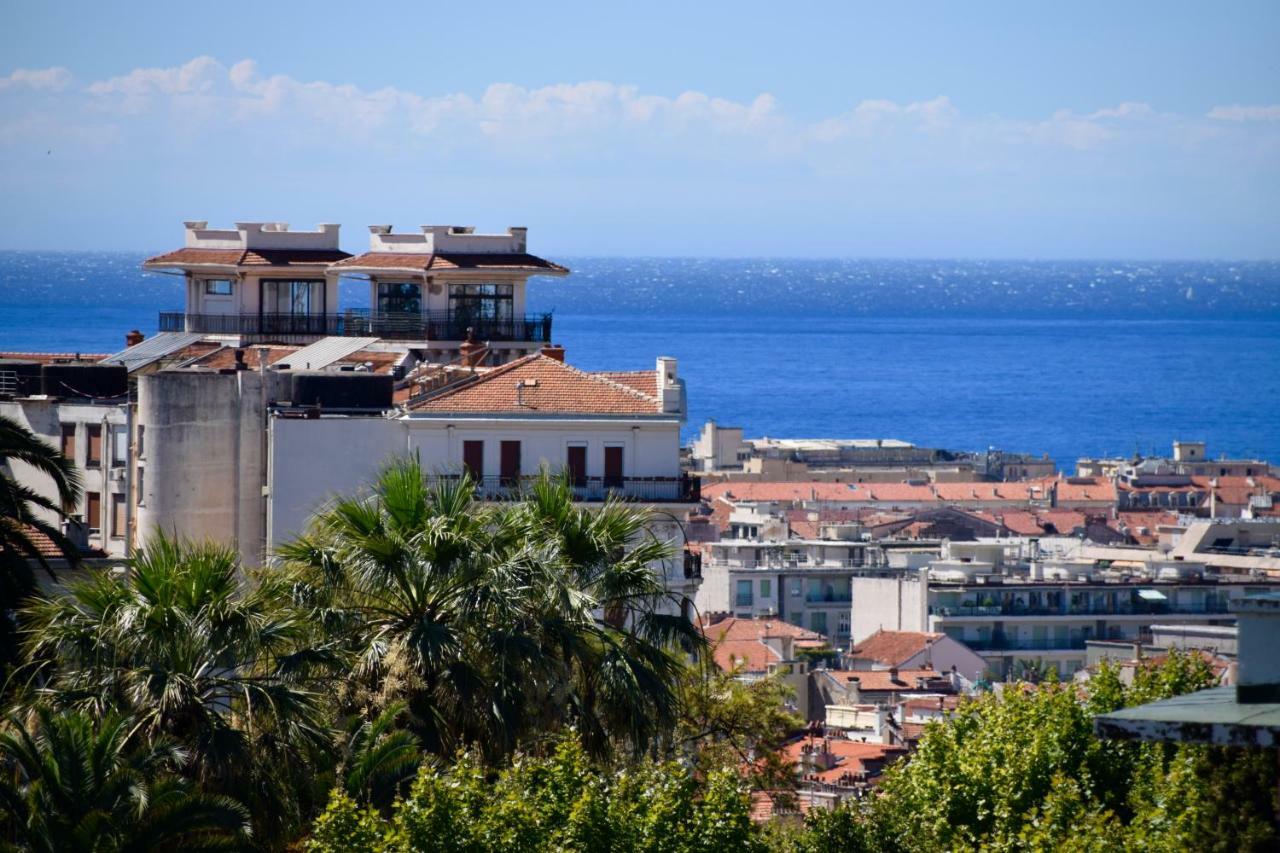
(740, 642)
(883, 681)
(893, 648)
(241, 257)
(550, 387)
(779, 492)
(424, 261)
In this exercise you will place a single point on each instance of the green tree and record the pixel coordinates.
(198, 656)
(494, 623)
(729, 723)
(562, 802)
(22, 520)
(77, 784)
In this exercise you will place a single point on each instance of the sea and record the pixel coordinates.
(1065, 358)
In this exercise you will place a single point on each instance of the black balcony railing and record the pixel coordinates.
(682, 489)
(433, 326)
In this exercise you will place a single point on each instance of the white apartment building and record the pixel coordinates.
(806, 582)
(432, 290)
(80, 407)
(1045, 612)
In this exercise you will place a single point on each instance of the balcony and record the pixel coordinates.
(829, 598)
(1123, 608)
(433, 326)
(682, 489)
(998, 643)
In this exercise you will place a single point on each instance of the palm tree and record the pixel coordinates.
(20, 519)
(494, 623)
(21, 522)
(194, 655)
(78, 784)
(378, 758)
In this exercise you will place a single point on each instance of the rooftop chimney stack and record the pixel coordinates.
(670, 389)
(132, 339)
(554, 351)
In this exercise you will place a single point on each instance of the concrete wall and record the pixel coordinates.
(353, 449)
(891, 604)
(202, 466)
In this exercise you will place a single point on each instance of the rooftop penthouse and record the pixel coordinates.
(437, 287)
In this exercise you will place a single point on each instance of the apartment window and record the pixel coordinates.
(510, 463)
(69, 441)
(575, 464)
(119, 446)
(217, 287)
(117, 516)
(473, 459)
(766, 588)
(93, 447)
(818, 621)
(293, 297)
(795, 586)
(93, 511)
(480, 301)
(399, 297)
(138, 493)
(141, 431)
(744, 598)
(613, 467)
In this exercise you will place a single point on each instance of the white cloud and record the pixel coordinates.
(41, 79)
(1238, 112)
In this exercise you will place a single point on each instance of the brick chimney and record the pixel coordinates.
(472, 352)
(132, 339)
(553, 351)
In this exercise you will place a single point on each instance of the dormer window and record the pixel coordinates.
(217, 287)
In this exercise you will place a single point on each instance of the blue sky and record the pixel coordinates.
(1121, 130)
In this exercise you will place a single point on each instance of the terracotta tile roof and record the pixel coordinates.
(551, 387)
(1098, 490)
(424, 261)
(50, 357)
(763, 808)
(882, 681)
(740, 642)
(644, 381)
(249, 258)
(850, 757)
(932, 703)
(225, 356)
(779, 492)
(893, 648)
(50, 551)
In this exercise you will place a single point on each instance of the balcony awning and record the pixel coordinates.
(1152, 595)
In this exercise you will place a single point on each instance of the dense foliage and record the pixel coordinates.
(1022, 770)
(561, 802)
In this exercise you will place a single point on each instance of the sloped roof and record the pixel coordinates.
(778, 491)
(550, 387)
(740, 642)
(433, 261)
(893, 648)
(882, 680)
(249, 258)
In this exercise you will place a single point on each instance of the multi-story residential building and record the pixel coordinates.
(432, 290)
(1189, 459)
(1011, 613)
(82, 408)
(802, 581)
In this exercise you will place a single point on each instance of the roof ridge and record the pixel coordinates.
(480, 378)
(598, 378)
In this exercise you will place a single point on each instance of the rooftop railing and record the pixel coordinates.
(431, 326)
(681, 489)
(1123, 608)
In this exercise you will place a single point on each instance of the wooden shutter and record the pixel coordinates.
(613, 467)
(510, 463)
(576, 464)
(473, 459)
